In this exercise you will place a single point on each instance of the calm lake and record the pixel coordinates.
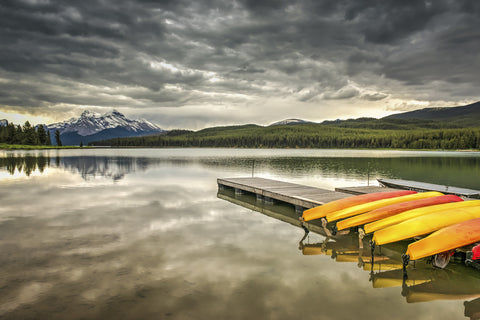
(145, 234)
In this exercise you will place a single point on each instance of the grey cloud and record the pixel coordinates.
(374, 96)
(296, 50)
(344, 93)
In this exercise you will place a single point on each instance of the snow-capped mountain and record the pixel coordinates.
(91, 126)
(290, 121)
(90, 123)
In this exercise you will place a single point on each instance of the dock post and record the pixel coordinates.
(268, 200)
(299, 209)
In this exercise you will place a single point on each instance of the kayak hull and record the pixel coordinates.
(410, 214)
(323, 210)
(366, 207)
(391, 210)
(445, 239)
(425, 224)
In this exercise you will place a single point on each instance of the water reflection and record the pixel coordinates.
(461, 171)
(87, 167)
(25, 164)
(423, 283)
(159, 243)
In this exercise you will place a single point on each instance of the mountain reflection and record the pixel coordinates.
(423, 283)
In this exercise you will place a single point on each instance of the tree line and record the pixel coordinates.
(308, 136)
(27, 135)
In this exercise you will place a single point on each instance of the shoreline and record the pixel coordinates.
(36, 147)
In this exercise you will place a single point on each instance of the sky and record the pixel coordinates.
(196, 64)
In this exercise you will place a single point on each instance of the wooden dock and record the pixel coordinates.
(302, 197)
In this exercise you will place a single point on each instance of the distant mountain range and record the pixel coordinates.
(290, 121)
(92, 126)
(467, 115)
(462, 116)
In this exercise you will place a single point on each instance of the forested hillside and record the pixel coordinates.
(465, 116)
(359, 133)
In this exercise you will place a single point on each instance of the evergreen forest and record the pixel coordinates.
(27, 135)
(355, 133)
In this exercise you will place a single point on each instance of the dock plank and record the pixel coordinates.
(364, 189)
(299, 195)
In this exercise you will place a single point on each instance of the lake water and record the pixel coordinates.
(142, 234)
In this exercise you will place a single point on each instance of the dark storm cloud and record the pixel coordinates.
(175, 53)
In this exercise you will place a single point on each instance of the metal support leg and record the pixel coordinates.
(372, 250)
(405, 262)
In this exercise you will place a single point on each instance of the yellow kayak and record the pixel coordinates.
(448, 238)
(323, 210)
(425, 224)
(410, 214)
(393, 209)
(362, 208)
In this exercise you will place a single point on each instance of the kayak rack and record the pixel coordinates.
(423, 186)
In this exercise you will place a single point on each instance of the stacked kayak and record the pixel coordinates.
(448, 238)
(425, 224)
(445, 221)
(414, 213)
(366, 207)
(333, 206)
(394, 209)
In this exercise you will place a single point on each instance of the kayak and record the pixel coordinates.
(410, 214)
(362, 208)
(393, 209)
(448, 238)
(329, 207)
(425, 224)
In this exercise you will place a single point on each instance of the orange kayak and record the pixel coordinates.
(410, 214)
(366, 207)
(425, 224)
(323, 210)
(448, 238)
(394, 209)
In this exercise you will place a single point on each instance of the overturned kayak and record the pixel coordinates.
(323, 210)
(410, 214)
(425, 224)
(445, 239)
(366, 207)
(393, 209)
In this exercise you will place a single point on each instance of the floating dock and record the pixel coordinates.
(423, 186)
(302, 197)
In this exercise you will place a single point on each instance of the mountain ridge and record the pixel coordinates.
(468, 114)
(91, 126)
